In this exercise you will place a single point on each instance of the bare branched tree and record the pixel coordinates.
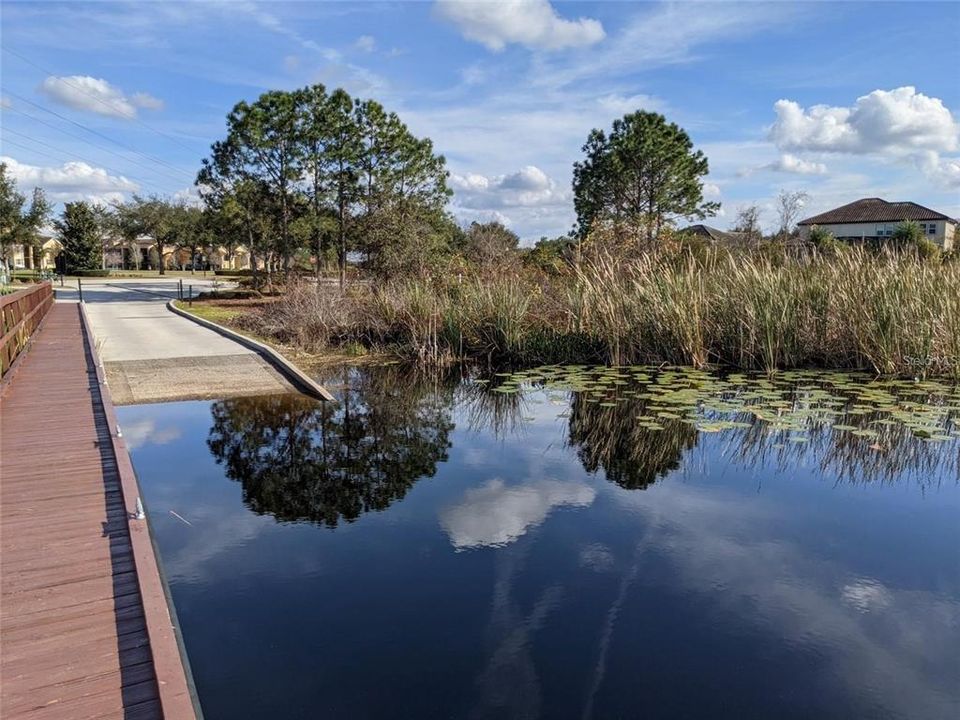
(789, 206)
(747, 224)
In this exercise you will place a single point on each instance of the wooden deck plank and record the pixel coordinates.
(75, 632)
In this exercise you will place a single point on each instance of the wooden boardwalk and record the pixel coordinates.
(85, 630)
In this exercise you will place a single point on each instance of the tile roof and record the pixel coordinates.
(712, 233)
(874, 210)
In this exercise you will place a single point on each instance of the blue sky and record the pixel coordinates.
(841, 100)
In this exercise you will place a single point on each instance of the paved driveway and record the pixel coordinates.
(150, 354)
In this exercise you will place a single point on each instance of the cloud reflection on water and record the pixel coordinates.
(496, 514)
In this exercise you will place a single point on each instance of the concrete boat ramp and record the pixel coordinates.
(151, 354)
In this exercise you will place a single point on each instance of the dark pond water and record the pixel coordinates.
(564, 544)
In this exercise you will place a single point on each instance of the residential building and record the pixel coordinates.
(133, 254)
(875, 220)
(713, 235)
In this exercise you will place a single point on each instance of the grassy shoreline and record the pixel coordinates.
(891, 314)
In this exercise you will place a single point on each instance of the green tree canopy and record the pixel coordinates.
(79, 232)
(190, 229)
(338, 174)
(152, 216)
(639, 177)
(19, 223)
(488, 244)
(551, 254)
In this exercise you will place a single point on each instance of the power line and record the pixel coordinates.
(68, 153)
(98, 146)
(8, 141)
(94, 97)
(94, 132)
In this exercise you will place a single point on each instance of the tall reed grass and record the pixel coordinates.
(896, 314)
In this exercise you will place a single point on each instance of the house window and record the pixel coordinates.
(932, 229)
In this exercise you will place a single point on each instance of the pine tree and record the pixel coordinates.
(79, 234)
(639, 177)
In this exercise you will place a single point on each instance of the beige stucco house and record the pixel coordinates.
(20, 257)
(141, 253)
(874, 220)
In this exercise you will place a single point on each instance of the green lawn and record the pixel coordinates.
(214, 313)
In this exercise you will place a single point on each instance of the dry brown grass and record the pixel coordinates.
(896, 314)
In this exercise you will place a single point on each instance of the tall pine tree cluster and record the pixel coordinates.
(326, 172)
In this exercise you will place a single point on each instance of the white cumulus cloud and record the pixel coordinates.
(527, 187)
(96, 95)
(711, 190)
(532, 23)
(792, 164)
(189, 196)
(900, 124)
(898, 121)
(945, 171)
(71, 181)
(146, 101)
(525, 198)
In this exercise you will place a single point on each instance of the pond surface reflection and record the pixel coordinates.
(564, 544)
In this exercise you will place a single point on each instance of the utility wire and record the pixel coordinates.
(100, 147)
(99, 100)
(95, 132)
(69, 153)
(8, 141)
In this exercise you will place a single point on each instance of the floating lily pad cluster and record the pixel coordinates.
(793, 402)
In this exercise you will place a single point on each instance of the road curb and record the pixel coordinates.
(295, 375)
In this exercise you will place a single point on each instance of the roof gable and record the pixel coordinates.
(870, 210)
(712, 233)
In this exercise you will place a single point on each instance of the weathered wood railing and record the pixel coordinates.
(20, 315)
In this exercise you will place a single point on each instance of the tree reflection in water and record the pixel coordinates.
(300, 459)
(614, 440)
(889, 453)
(613, 437)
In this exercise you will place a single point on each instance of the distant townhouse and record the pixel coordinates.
(129, 255)
(875, 220)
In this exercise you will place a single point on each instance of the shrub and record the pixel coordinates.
(928, 250)
(823, 240)
(236, 273)
(91, 273)
(228, 295)
(907, 234)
